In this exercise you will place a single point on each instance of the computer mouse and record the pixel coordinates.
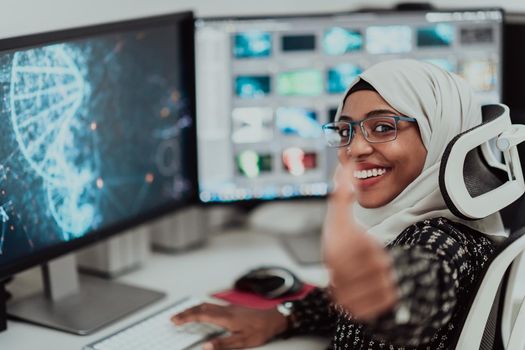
(269, 282)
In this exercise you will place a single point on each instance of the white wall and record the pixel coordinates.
(18, 17)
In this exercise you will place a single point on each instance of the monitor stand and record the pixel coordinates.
(78, 304)
(298, 225)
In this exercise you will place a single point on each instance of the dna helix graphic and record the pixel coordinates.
(46, 92)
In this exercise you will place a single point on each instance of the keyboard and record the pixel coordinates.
(158, 332)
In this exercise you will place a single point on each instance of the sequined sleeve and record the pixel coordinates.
(432, 269)
(437, 264)
(314, 314)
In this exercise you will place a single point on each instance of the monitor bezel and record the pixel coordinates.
(375, 11)
(249, 203)
(185, 21)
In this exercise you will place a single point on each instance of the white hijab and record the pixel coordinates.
(443, 105)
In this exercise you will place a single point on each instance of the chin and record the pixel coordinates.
(370, 203)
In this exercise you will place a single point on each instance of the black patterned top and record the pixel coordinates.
(437, 263)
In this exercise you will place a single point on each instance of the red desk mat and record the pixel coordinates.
(257, 302)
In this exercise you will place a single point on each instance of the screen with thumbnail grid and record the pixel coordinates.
(266, 85)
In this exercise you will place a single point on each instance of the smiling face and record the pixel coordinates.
(397, 163)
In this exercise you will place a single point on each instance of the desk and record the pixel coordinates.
(199, 273)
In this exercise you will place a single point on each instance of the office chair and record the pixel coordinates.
(475, 185)
(513, 315)
(484, 327)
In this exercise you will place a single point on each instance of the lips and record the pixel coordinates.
(368, 174)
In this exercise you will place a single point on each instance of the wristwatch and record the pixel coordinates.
(286, 309)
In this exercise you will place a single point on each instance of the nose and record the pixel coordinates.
(359, 146)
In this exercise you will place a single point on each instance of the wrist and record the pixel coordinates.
(279, 322)
(286, 311)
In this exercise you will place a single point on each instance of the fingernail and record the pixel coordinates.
(207, 346)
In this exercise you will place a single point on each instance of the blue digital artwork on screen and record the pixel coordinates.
(252, 44)
(438, 35)
(341, 76)
(338, 41)
(92, 134)
(252, 86)
(296, 121)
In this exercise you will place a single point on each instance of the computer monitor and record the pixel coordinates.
(266, 85)
(514, 74)
(98, 136)
(514, 97)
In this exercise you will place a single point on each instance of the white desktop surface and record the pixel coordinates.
(198, 273)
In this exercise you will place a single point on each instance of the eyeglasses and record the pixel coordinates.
(374, 130)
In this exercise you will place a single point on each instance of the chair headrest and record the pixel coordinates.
(473, 181)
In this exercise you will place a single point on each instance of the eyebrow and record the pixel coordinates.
(373, 113)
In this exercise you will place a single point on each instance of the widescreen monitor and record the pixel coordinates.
(98, 134)
(514, 97)
(266, 85)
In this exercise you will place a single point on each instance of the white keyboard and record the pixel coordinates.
(158, 332)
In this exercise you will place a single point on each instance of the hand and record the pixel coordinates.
(247, 327)
(361, 276)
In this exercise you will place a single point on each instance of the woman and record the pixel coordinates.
(392, 128)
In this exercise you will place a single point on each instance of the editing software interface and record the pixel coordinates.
(94, 133)
(265, 86)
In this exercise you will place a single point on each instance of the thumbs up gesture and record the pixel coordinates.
(361, 274)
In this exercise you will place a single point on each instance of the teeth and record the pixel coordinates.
(365, 174)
